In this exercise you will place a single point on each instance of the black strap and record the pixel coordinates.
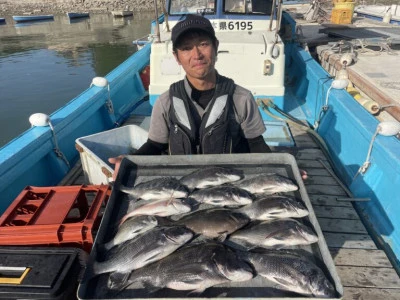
(258, 145)
(151, 148)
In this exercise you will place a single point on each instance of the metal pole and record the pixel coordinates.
(157, 24)
(272, 14)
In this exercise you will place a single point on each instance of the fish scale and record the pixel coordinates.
(268, 183)
(274, 206)
(223, 196)
(161, 208)
(130, 229)
(277, 233)
(157, 189)
(146, 248)
(211, 176)
(220, 222)
(292, 272)
(193, 267)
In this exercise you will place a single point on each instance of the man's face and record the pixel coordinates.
(196, 54)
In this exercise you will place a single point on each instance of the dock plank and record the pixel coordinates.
(309, 163)
(342, 226)
(316, 180)
(368, 277)
(349, 241)
(317, 172)
(328, 200)
(360, 258)
(352, 293)
(325, 189)
(311, 154)
(332, 212)
(305, 144)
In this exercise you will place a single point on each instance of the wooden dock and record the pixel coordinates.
(364, 270)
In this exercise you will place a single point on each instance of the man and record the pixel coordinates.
(205, 113)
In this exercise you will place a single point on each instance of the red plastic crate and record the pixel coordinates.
(62, 216)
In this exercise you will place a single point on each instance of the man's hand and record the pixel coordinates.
(117, 161)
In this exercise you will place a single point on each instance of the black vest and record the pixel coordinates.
(217, 132)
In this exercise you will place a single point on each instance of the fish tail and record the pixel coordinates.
(127, 190)
(102, 248)
(126, 217)
(90, 271)
(117, 282)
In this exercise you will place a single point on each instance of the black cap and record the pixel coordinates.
(192, 22)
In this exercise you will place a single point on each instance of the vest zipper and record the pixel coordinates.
(176, 129)
(209, 133)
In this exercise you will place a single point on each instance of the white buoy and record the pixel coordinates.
(388, 128)
(39, 119)
(99, 81)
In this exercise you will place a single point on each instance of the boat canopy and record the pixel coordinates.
(220, 9)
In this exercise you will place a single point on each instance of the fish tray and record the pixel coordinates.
(136, 169)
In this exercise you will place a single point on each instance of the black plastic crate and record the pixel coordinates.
(40, 272)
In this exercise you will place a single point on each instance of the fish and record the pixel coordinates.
(278, 233)
(157, 189)
(130, 229)
(273, 207)
(292, 272)
(161, 208)
(214, 222)
(149, 247)
(268, 184)
(222, 196)
(194, 267)
(210, 176)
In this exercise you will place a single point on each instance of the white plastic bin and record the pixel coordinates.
(95, 150)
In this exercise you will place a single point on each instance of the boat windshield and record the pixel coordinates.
(182, 7)
(248, 7)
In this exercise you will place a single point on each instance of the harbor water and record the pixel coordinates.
(43, 65)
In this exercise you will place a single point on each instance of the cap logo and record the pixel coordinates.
(191, 22)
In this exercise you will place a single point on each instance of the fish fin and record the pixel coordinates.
(198, 291)
(127, 190)
(118, 281)
(231, 206)
(238, 246)
(103, 248)
(222, 237)
(150, 288)
(282, 282)
(90, 271)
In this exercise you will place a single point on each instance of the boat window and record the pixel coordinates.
(250, 7)
(183, 7)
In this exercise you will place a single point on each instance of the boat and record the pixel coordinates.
(352, 158)
(122, 13)
(383, 13)
(2, 20)
(75, 15)
(31, 18)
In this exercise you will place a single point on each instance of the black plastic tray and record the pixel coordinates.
(136, 169)
(53, 272)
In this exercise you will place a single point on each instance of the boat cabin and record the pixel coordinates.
(250, 51)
